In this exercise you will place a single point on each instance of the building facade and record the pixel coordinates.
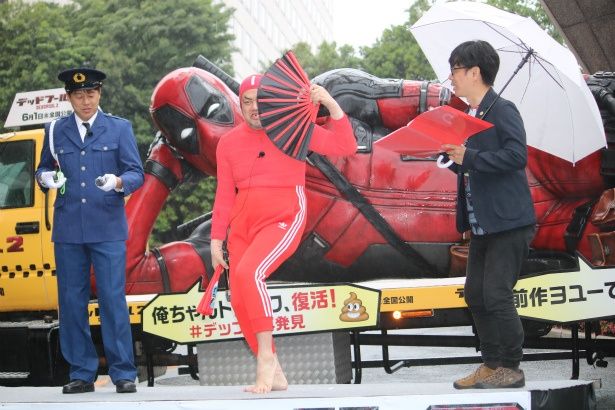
(264, 29)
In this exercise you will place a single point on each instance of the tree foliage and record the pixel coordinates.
(136, 43)
(188, 201)
(529, 8)
(396, 54)
(328, 56)
(36, 42)
(145, 40)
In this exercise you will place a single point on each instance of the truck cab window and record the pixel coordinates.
(17, 174)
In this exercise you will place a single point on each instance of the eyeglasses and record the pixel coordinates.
(453, 69)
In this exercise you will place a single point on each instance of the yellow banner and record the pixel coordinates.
(134, 310)
(568, 296)
(586, 294)
(419, 298)
(296, 309)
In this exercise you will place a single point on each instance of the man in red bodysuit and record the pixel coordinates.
(260, 210)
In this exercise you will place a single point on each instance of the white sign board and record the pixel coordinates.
(38, 107)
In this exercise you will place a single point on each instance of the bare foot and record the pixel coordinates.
(265, 373)
(279, 379)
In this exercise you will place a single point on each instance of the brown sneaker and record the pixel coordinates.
(469, 382)
(503, 378)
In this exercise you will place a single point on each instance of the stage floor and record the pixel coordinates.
(549, 394)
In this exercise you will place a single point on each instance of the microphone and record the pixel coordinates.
(261, 154)
(88, 134)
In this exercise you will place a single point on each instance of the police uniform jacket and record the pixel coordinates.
(495, 161)
(85, 213)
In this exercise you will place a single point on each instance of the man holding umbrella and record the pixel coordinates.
(494, 203)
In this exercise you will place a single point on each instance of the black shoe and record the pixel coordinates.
(78, 386)
(125, 386)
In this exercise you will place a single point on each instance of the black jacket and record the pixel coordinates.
(495, 161)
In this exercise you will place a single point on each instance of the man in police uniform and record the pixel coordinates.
(92, 159)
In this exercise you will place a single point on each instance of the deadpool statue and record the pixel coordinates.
(373, 215)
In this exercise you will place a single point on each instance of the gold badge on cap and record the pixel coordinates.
(79, 77)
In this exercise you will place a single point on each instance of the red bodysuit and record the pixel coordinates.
(260, 200)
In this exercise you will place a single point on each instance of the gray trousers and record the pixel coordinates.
(494, 265)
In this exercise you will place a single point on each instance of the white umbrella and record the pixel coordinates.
(560, 115)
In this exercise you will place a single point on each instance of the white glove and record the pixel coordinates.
(106, 182)
(51, 179)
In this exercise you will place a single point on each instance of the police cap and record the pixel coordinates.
(81, 78)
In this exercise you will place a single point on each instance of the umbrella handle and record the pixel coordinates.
(441, 164)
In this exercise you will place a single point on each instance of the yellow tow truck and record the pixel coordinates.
(28, 288)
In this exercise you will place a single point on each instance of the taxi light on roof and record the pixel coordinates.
(7, 135)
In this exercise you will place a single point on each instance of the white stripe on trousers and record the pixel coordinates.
(261, 269)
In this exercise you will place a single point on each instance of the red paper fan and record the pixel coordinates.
(206, 305)
(286, 112)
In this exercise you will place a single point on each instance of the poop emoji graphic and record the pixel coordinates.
(353, 310)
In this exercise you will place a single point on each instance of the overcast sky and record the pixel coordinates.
(361, 22)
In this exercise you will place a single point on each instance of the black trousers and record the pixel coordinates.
(494, 265)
